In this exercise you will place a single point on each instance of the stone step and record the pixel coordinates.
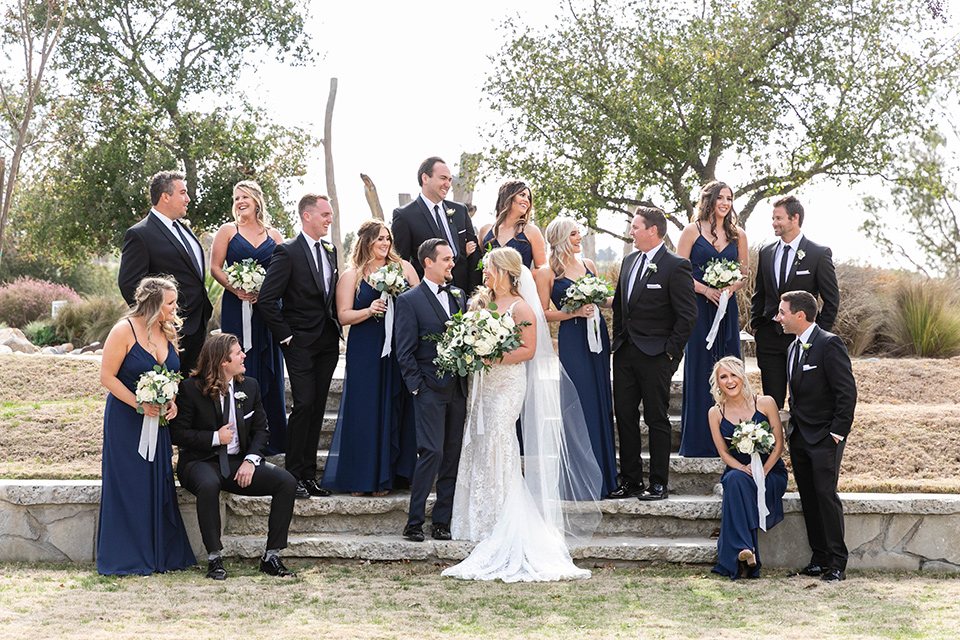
(599, 550)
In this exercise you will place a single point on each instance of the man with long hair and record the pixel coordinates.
(221, 430)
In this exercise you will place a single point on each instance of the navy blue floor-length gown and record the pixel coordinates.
(375, 437)
(590, 373)
(264, 360)
(698, 362)
(139, 529)
(739, 518)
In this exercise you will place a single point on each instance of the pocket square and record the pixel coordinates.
(809, 367)
(805, 272)
(654, 286)
(461, 232)
(248, 416)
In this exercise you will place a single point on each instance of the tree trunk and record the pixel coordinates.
(373, 200)
(337, 238)
(404, 198)
(589, 246)
(464, 183)
(3, 206)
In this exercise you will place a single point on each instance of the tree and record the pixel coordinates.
(925, 202)
(623, 103)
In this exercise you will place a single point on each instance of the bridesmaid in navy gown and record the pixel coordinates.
(589, 371)
(139, 529)
(375, 437)
(251, 237)
(739, 518)
(712, 235)
(512, 227)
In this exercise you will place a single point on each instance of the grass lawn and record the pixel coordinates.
(413, 601)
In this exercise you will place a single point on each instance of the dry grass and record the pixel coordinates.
(413, 601)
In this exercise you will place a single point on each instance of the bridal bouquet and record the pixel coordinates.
(753, 439)
(389, 281)
(720, 273)
(476, 336)
(247, 274)
(157, 386)
(588, 290)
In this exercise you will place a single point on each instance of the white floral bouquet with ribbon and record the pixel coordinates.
(389, 281)
(475, 338)
(247, 274)
(753, 438)
(157, 386)
(586, 290)
(720, 273)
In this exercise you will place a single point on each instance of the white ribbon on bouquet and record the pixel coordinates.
(475, 404)
(593, 331)
(756, 468)
(388, 325)
(721, 311)
(148, 437)
(247, 316)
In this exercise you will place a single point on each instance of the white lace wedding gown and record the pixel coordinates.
(492, 503)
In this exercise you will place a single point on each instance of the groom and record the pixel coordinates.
(654, 312)
(440, 400)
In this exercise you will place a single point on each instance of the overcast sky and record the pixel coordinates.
(410, 86)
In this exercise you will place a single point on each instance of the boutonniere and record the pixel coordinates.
(652, 267)
(805, 346)
(326, 246)
(450, 213)
(801, 255)
(239, 396)
(456, 293)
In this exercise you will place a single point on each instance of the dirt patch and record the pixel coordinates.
(44, 378)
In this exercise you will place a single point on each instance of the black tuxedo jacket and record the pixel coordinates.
(419, 314)
(413, 223)
(823, 392)
(199, 417)
(291, 298)
(660, 314)
(814, 273)
(150, 248)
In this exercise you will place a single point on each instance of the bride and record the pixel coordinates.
(519, 512)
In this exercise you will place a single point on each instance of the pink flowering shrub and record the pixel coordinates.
(26, 299)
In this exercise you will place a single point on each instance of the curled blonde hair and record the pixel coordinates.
(147, 300)
(557, 236)
(253, 190)
(505, 260)
(363, 255)
(735, 366)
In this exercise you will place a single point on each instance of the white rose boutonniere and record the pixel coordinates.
(450, 212)
(804, 346)
(239, 396)
(652, 267)
(801, 255)
(456, 293)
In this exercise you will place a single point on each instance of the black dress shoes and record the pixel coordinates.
(812, 570)
(215, 570)
(832, 574)
(441, 531)
(655, 492)
(312, 489)
(274, 567)
(413, 532)
(301, 492)
(626, 490)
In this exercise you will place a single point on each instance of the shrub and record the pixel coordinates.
(860, 319)
(26, 299)
(42, 333)
(924, 318)
(90, 320)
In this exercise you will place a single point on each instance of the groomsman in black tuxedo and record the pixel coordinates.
(654, 312)
(162, 245)
(297, 301)
(440, 400)
(823, 396)
(794, 263)
(430, 215)
(221, 430)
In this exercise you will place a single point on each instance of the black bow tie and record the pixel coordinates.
(445, 287)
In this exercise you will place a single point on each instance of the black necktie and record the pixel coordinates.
(224, 462)
(188, 247)
(442, 224)
(783, 265)
(320, 270)
(797, 348)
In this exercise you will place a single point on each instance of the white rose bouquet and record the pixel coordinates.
(475, 337)
(720, 273)
(157, 386)
(248, 275)
(389, 281)
(752, 438)
(588, 290)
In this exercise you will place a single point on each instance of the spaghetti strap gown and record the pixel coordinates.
(264, 360)
(139, 529)
(698, 362)
(739, 518)
(590, 373)
(375, 437)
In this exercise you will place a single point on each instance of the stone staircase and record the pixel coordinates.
(343, 527)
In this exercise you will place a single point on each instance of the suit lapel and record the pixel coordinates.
(639, 288)
(238, 410)
(429, 217)
(798, 374)
(332, 259)
(793, 265)
(218, 411)
(178, 245)
(432, 300)
(452, 228)
(311, 264)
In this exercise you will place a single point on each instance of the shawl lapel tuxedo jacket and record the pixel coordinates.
(419, 314)
(292, 299)
(413, 223)
(660, 313)
(151, 249)
(814, 273)
(823, 392)
(199, 417)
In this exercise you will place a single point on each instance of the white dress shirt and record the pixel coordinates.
(327, 269)
(442, 297)
(778, 256)
(646, 267)
(444, 228)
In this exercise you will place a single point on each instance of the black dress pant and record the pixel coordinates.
(203, 479)
(638, 377)
(816, 468)
(772, 345)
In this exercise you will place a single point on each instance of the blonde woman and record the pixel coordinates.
(139, 529)
(589, 371)
(251, 236)
(375, 437)
(512, 227)
(740, 518)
